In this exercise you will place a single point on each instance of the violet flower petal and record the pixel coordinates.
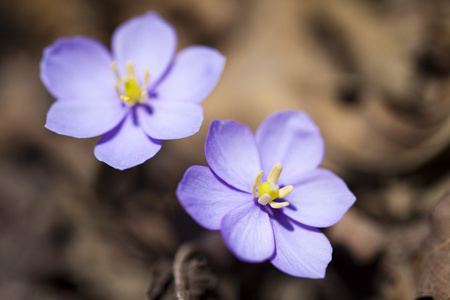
(83, 118)
(194, 73)
(301, 251)
(247, 231)
(147, 41)
(165, 120)
(126, 146)
(207, 198)
(77, 67)
(232, 153)
(290, 138)
(320, 199)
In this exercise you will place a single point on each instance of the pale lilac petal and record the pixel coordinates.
(166, 120)
(148, 42)
(290, 138)
(77, 67)
(193, 75)
(126, 146)
(301, 251)
(207, 198)
(320, 199)
(232, 153)
(84, 119)
(247, 232)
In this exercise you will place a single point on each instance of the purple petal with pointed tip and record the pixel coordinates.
(166, 120)
(290, 138)
(194, 73)
(247, 231)
(77, 67)
(148, 42)
(320, 199)
(301, 251)
(207, 198)
(126, 145)
(232, 153)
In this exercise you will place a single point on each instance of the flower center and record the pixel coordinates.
(268, 191)
(128, 87)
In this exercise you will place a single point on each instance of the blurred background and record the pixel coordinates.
(375, 77)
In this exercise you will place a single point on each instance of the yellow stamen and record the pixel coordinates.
(278, 204)
(130, 71)
(269, 190)
(264, 199)
(256, 182)
(116, 72)
(146, 76)
(275, 173)
(126, 99)
(128, 87)
(117, 90)
(285, 191)
(144, 97)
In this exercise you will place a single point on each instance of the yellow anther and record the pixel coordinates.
(269, 190)
(256, 182)
(264, 199)
(278, 204)
(275, 173)
(126, 99)
(285, 191)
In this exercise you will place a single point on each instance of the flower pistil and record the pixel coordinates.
(268, 191)
(133, 92)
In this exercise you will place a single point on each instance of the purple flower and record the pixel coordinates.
(136, 96)
(266, 194)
